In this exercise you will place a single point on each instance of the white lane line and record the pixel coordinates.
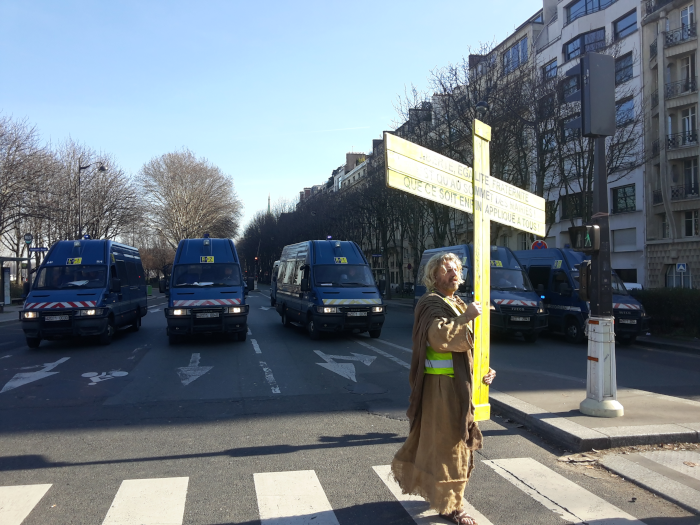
(270, 378)
(5, 356)
(18, 501)
(417, 507)
(292, 498)
(263, 294)
(149, 502)
(249, 332)
(563, 497)
(383, 353)
(395, 346)
(8, 343)
(256, 346)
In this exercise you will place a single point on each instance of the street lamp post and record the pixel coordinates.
(80, 208)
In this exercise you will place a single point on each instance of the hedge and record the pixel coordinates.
(672, 310)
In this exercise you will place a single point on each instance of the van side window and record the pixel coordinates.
(132, 273)
(299, 273)
(288, 269)
(559, 278)
(122, 273)
(539, 275)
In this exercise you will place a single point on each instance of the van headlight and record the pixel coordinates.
(91, 311)
(30, 315)
(235, 309)
(179, 311)
(327, 309)
(377, 309)
(540, 308)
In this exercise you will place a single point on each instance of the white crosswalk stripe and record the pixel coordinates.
(292, 498)
(416, 506)
(560, 495)
(17, 502)
(149, 502)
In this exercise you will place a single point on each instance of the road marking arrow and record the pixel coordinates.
(346, 370)
(194, 371)
(24, 378)
(264, 307)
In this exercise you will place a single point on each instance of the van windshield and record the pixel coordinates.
(349, 275)
(618, 288)
(72, 276)
(207, 275)
(506, 279)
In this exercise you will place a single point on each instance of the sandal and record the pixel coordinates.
(460, 517)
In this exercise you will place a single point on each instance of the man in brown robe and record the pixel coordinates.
(436, 461)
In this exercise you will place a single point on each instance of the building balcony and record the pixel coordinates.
(680, 35)
(653, 48)
(655, 148)
(655, 99)
(684, 191)
(655, 5)
(657, 197)
(679, 140)
(682, 87)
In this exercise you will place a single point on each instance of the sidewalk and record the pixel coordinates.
(548, 404)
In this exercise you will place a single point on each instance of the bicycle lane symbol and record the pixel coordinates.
(104, 376)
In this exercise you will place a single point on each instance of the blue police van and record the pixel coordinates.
(515, 306)
(206, 292)
(86, 287)
(327, 286)
(555, 274)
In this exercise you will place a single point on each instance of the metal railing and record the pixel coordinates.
(684, 191)
(655, 99)
(653, 48)
(657, 197)
(681, 87)
(655, 5)
(685, 138)
(680, 35)
(655, 147)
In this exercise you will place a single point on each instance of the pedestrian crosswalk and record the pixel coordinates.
(298, 498)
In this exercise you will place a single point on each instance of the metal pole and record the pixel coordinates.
(601, 275)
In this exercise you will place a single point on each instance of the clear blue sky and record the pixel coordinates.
(274, 93)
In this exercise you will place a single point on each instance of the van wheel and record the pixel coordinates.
(137, 322)
(106, 336)
(374, 334)
(285, 319)
(33, 342)
(313, 330)
(574, 332)
(626, 340)
(241, 336)
(530, 337)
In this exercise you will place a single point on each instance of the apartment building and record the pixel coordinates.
(670, 43)
(571, 29)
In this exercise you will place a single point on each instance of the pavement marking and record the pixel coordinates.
(346, 370)
(256, 346)
(22, 378)
(292, 498)
(5, 356)
(193, 371)
(558, 494)
(249, 332)
(270, 378)
(266, 308)
(395, 346)
(416, 506)
(95, 377)
(17, 502)
(383, 353)
(8, 343)
(149, 502)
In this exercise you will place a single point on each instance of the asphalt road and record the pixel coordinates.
(207, 417)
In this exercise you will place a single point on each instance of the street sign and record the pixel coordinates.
(681, 267)
(424, 173)
(39, 249)
(28, 238)
(539, 244)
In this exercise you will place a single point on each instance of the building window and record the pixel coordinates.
(688, 16)
(568, 134)
(504, 241)
(664, 227)
(676, 279)
(623, 199)
(522, 241)
(690, 168)
(546, 106)
(625, 25)
(691, 226)
(581, 8)
(585, 42)
(549, 70)
(623, 69)
(515, 56)
(568, 86)
(624, 240)
(624, 112)
(571, 206)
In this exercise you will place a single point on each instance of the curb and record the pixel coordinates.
(579, 438)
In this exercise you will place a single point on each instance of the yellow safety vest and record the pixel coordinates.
(440, 363)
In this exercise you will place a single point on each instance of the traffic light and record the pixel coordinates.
(584, 281)
(596, 93)
(585, 238)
